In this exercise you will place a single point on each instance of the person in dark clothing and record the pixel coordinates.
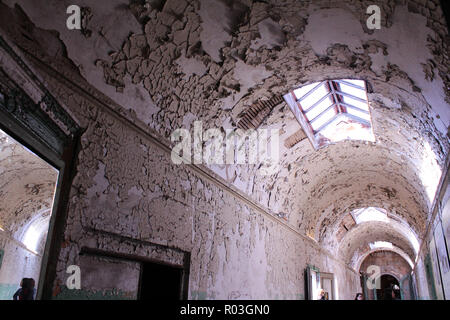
(396, 294)
(26, 292)
(16, 295)
(33, 288)
(359, 296)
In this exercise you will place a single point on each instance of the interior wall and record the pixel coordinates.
(442, 238)
(433, 265)
(422, 288)
(130, 187)
(127, 187)
(18, 262)
(389, 263)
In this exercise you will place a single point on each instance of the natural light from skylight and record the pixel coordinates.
(429, 171)
(332, 110)
(370, 214)
(31, 238)
(380, 244)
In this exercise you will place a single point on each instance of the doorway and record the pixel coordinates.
(327, 284)
(160, 282)
(389, 287)
(319, 282)
(27, 191)
(32, 118)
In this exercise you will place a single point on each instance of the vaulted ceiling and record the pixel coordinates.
(170, 63)
(27, 187)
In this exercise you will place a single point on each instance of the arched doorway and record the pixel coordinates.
(389, 286)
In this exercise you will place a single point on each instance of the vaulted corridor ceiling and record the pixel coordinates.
(166, 64)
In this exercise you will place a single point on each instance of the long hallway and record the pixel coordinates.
(225, 150)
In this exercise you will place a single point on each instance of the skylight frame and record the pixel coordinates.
(337, 91)
(364, 215)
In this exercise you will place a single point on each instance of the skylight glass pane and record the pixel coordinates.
(356, 103)
(359, 114)
(353, 91)
(356, 82)
(314, 112)
(300, 92)
(323, 119)
(315, 96)
(346, 129)
(348, 119)
(370, 214)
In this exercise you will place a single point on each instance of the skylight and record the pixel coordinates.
(332, 110)
(380, 244)
(31, 238)
(370, 214)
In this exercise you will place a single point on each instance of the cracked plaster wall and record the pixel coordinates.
(424, 286)
(421, 281)
(172, 69)
(18, 262)
(127, 186)
(390, 263)
(235, 251)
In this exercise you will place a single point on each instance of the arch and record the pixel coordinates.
(356, 242)
(409, 193)
(385, 273)
(398, 251)
(387, 220)
(35, 231)
(388, 281)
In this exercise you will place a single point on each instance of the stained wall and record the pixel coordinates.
(248, 235)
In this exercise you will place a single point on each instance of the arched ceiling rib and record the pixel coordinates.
(401, 154)
(357, 264)
(355, 243)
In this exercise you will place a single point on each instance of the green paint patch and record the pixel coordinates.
(7, 290)
(198, 295)
(430, 277)
(299, 296)
(2, 254)
(74, 294)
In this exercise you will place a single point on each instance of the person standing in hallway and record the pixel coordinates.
(322, 295)
(26, 291)
(359, 296)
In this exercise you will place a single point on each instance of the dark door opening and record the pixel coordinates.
(390, 289)
(160, 282)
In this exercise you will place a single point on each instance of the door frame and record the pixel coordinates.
(33, 117)
(320, 275)
(185, 266)
(330, 276)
